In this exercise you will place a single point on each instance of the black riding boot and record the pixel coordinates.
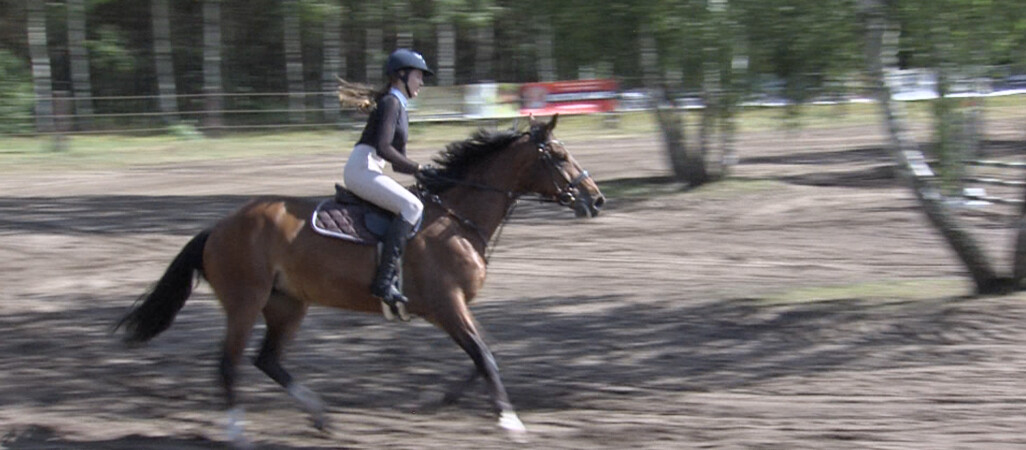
(385, 285)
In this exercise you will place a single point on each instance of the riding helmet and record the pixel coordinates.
(406, 59)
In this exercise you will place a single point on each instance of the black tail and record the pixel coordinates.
(161, 303)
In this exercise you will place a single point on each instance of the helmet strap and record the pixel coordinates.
(406, 83)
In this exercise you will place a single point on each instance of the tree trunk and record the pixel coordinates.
(81, 88)
(374, 45)
(649, 57)
(446, 53)
(41, 77)
(212, 84)
(546, 63)
(485, 52)
(911, 161)
(293, 60)
(334, 62)
(166, 87)
(688, 165)
(404, 29)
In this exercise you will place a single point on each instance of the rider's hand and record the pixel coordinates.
(427, 173)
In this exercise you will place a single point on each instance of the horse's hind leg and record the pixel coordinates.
(242, 309)
(283, 315)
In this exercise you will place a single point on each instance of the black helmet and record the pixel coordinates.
(406, 59)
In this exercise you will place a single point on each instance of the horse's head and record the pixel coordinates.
(518, 163)
(554, 173)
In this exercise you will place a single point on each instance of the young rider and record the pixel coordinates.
(384, 141)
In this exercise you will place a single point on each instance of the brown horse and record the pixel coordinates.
(266, 259)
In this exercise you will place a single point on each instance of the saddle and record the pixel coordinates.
(352, 218)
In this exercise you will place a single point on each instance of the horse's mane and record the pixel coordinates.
(455, 161)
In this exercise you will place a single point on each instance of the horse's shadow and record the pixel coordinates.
(553, 360)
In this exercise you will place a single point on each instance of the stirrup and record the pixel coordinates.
(393, 310)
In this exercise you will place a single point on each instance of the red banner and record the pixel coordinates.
(568, 97)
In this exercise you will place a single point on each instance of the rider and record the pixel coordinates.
(384, 140)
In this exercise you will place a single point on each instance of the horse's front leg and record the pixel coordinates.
(470, 341)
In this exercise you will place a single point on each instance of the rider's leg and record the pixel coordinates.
(363, 178)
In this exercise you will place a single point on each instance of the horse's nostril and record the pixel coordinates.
(601, 200)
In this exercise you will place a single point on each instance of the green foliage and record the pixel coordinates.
(15, 94)
(110, 53)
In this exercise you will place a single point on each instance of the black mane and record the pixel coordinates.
(455, 161)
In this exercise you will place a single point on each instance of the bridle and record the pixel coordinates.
(565, 195)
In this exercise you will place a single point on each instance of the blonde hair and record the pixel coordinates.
(360, 96)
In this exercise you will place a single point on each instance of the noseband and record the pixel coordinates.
(566, 195)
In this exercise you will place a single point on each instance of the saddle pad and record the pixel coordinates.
(344, 221)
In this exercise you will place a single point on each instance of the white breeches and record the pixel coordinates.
(363, 175)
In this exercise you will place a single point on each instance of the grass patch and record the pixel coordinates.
(733, 187)
(879, 290)
(635, 188)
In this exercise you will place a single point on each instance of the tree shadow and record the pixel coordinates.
(116, 214)
(43, 438)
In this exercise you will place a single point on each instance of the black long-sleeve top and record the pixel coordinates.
(387, 129)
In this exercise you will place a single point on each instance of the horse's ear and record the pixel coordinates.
(552, 124)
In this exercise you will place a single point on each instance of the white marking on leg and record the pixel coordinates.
(403, 314)
(509, 421)
(309, 401)
(387, 311)
(236, 430)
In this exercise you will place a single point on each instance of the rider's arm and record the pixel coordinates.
(386, 132)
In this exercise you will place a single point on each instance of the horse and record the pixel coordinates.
(264, 258)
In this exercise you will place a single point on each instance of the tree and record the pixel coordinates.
(881, 55)
(715, 41)
(334, 57)
(80, 86)
(482, 18)
(293, 59)
(166, 87)
(445, 23)
(375, 45)
(41, 69)
(212, 83)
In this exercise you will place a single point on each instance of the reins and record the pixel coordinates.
(565, 196)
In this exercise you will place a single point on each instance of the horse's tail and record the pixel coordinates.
(162, 301)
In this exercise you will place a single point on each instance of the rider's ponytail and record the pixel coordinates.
(359, 95)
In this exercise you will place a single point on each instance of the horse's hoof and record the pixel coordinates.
(236, 430)
(404, 315)
(397, 311)
(514, 427)
(320, 422)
